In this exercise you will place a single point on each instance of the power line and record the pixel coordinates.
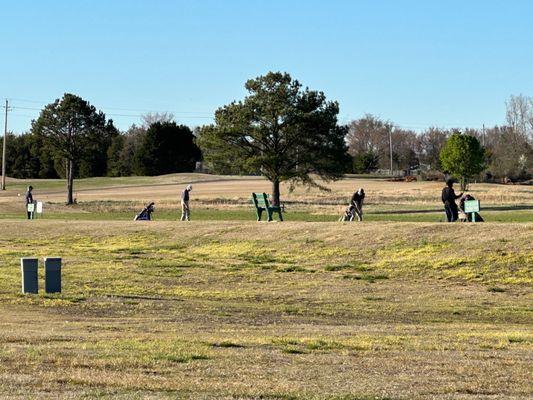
(15, 114)
(154, 111)
(196, 113)
(139, 113)
(347, 118)
(26, 108)
(28, 101)
(127, 115)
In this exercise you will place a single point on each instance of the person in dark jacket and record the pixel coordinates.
(29, 200)
(357, 204)
(448, 198)
(185, 210)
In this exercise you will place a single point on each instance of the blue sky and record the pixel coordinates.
(416, 63)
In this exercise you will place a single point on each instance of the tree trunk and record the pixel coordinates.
(464, 184)
(70, 181)
(275, 192)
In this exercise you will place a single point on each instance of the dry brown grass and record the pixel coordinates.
(211, 188)
(273, 311)
(229, 192)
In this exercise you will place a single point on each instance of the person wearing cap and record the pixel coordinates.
(29, 200)
(448, 197)
(357, 203)
(185, 210)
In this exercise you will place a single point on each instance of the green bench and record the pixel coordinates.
(261, 203)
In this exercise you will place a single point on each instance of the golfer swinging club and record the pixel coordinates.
(185, 210)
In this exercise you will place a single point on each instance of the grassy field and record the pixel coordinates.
(242, 310)
(228, 198)
(227, 308)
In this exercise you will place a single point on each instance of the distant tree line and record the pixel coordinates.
(157, 146)
(508, 149)
(280, 130)
(71, 139)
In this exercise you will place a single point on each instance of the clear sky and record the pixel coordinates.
(417, 63)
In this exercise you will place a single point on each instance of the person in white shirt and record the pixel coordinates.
(185, 210)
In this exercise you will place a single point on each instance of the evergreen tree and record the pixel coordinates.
(94, 161)
(284, 132)
(69, 126)
(167, 148)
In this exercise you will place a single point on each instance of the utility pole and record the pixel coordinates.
(390, 143)
(4, 149)
(483, 135)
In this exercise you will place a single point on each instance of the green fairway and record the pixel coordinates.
(227, 198)
(88, 212)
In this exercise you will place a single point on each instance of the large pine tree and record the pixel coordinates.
(71, 127)
(280, 130)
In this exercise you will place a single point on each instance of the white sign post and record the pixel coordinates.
(31, 209)
(39, 207)
(472, 207)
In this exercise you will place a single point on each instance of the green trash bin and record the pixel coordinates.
(52, 275)
(28, 269)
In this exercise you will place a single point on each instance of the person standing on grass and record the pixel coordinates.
(357, 204)
(29, 200)
(448, 198)
(185, 210)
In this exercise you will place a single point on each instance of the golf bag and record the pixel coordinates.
(463, 217)
(145, 214)
(349, 214)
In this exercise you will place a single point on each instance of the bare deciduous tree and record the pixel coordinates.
(370, 135)
(520, 115)
(509, 154)
(431, 143)
(153, 117)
